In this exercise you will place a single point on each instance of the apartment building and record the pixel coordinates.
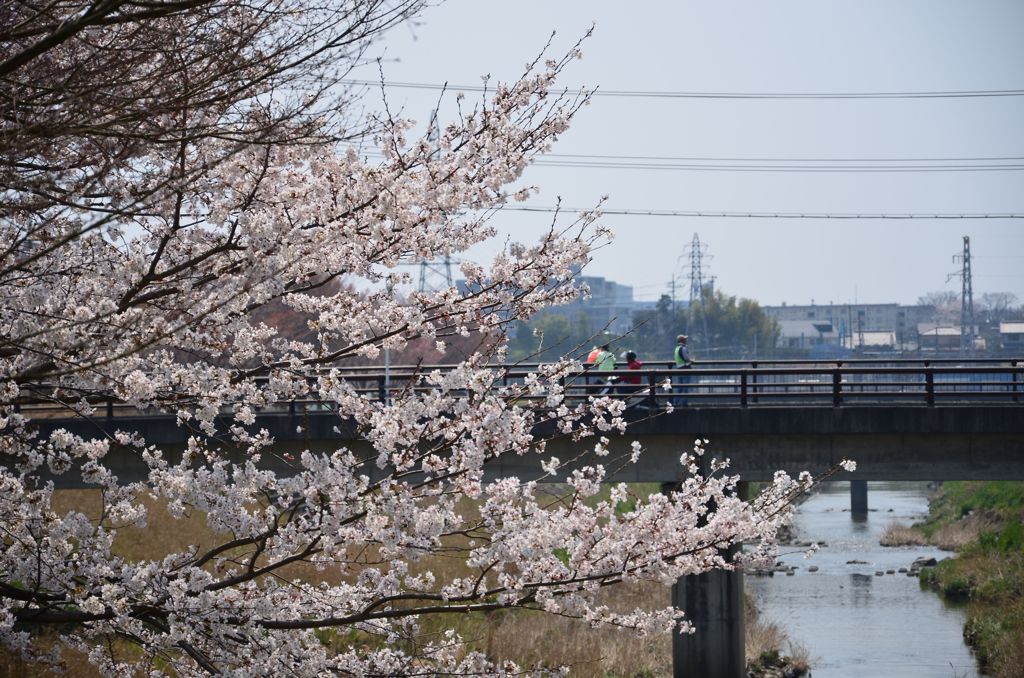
(851, 323)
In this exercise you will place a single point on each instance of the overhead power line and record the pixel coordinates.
(765, 215)
(806, 165)
(651, 94)
(673, 158)
(749, 167)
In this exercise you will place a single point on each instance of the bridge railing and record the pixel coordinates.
(720, 384)
(824, 386)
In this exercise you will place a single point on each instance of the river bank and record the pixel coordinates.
(982, 522)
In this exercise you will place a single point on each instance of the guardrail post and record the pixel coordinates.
(110, 408)
(382, 394)
(743, 388)
(1016, 381)
(753, 380)
(929, 387)
(291, 408)
(837, 388)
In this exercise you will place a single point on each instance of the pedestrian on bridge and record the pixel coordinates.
(631, 364)
(683, 362)
(629, 383)
(605, 362)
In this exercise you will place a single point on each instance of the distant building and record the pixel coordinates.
(932, 337)
(1011, 336)
(610, 306)
(806, 333)
(851, 322)
(872, 340)
(946, 338)
(821, 335)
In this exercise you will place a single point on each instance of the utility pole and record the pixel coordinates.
(672, 286)
(698, 291)
(966, 298)
(433, 272)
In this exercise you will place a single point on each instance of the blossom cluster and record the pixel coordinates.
(157, 310)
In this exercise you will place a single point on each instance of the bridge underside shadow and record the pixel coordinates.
(888, 443)
(963, 443)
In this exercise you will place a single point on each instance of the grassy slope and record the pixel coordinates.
(989, 571)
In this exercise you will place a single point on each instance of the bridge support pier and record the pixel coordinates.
(859, 497)
(713, 603)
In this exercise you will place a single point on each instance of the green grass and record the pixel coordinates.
(956, 500)
(988, 571)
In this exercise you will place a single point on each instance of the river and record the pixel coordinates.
(854, 623)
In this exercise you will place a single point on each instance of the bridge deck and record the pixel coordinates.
(906, 421)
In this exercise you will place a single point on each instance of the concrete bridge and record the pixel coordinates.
(900, 420)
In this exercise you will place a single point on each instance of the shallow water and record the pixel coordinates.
(854, 623)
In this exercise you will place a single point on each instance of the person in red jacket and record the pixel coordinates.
(631, 364)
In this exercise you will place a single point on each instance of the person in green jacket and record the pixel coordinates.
(605, 362)
(682, 355)
(683, 362)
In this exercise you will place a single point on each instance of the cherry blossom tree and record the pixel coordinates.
(171, 168)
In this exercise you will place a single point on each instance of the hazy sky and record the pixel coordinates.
(787, 47)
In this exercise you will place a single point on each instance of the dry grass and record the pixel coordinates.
(76, 664)
(952, 537)
(1011, 652)
(162, 535)
(532, 638)
(948, 538)
(527, 637)
(763, 638)
(899, 534)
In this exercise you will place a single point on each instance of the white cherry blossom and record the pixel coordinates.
(142, 251)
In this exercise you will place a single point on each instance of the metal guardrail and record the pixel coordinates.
(743, 384)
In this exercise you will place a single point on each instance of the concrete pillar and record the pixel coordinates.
(859, 497)
(713, 603)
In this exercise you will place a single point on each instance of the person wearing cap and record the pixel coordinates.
(683, 362)
(682, 355)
